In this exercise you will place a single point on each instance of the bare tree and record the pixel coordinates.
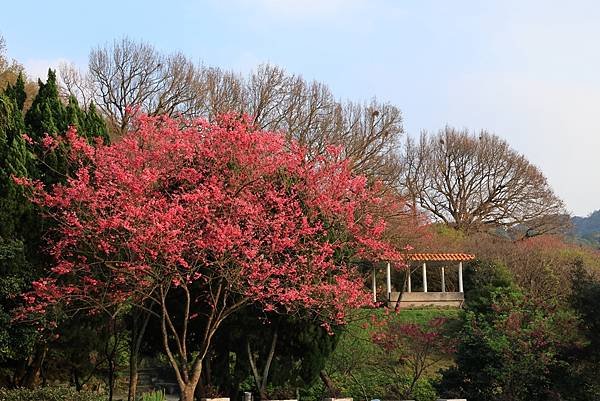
(76, 83)
(126, 75)
(307, 111)
(472, 181)
(9, 69)
(370, 135)
(9, 73)
(220, 92)
(3, 61)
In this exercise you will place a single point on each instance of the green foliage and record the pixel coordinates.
(423, 391)
(301, 351)
(48, 394)
(586, 302)
(49, 116)
(360, 369)
(482, 279)
(21, 228)
(154, 396)
(513, 348)
(14, 159)
(15, 271)
(17, 92)
(47, 113)
(94, 125)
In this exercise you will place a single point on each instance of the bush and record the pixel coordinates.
(513, 348)
(154, 396)
(425, 391)
(48, 394)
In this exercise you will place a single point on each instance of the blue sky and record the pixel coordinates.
(526, 70)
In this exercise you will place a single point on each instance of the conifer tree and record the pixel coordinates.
(48, 116)
(13, 161)
(17, 92)
(73, 114)
(15, 272)
(94, 124)
(47, 113)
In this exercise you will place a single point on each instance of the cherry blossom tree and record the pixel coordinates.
(220, 214)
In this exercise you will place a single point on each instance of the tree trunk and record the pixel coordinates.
(133, 377)
(111, 378)
(110, 353)
(138, 332)
(331, 388)
(187, 392)
(75, 377)
(33, 373)
(261, 382)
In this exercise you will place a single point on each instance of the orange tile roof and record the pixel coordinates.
(441, 257)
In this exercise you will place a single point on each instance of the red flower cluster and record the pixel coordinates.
(178, 202)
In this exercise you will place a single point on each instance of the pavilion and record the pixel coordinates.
(419, 261)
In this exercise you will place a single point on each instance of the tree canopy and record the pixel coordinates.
(223, 211)
(473, 181)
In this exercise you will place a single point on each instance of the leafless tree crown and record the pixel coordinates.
(476, 180)
(126, 75)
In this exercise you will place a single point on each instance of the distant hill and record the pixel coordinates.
(587, 229)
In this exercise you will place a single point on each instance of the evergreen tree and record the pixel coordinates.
(21, 229)
(17, 92)
(13, 161)
(47, 113)
(74, 116)
(94, 124)
(16, 341)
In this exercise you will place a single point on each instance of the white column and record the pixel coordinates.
(409, 282)
(424, 277)
(460, 280)
(389, 280)
(443, 280)
(374, 285)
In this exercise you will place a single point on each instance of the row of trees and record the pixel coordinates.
(468, 180)
(127, 77)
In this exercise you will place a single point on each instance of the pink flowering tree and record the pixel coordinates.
(219, 213)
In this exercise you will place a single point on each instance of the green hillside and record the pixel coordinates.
(587, 229)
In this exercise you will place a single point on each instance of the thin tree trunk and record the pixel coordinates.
(261, 382)
(136, 342)
(111, 354)
(33, 373)
(331, 388)
(111, 378)
(75, 377)
(133, 377)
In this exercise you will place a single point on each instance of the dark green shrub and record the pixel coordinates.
(48, 394)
